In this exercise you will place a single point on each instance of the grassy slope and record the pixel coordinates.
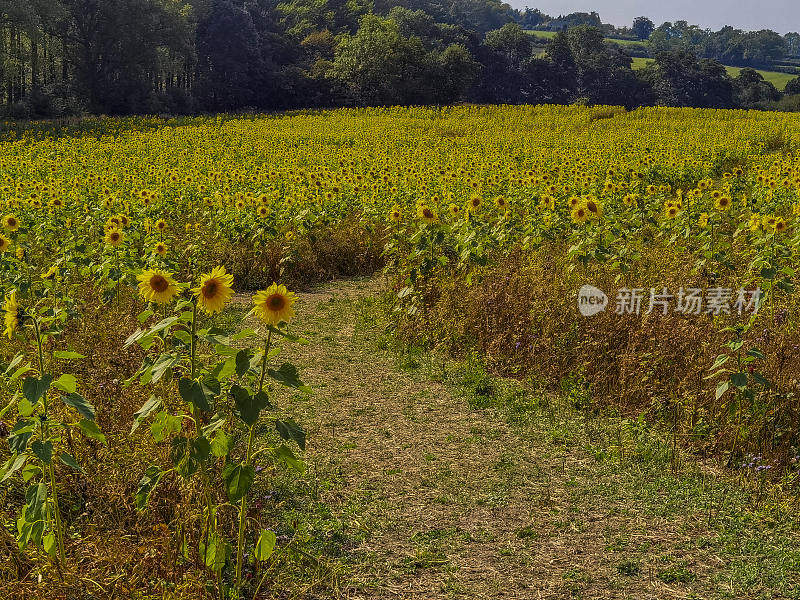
(551, 34)
(778, 79)
(431, 479)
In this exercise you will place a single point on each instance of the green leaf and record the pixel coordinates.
(238, 479)
(284, 454)
(164, 425)
(248, 405)
(222, 444)
(242, 362)
(140, 415)
(289, 430)
(49, 543)
(13, 465)
(67, 383)
(287, 335)
(43, 451)
(722, 388)
(33, 389)
(25, 408)
(68, 460)
(79, 403)
(214, 552)
(265, 545)
(739, 380)
(91, 430)
(35, 498)
(721, 360)
(194, 393)
(147, 484)
(30, 471)
(756, 353)
(66, 355)
(288, 376)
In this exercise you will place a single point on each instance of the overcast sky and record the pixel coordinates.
(779, 15)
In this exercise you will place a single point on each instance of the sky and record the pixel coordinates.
(779, 15)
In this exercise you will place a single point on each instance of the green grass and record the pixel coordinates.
(776, 78)
(549, 35)
(433, 475)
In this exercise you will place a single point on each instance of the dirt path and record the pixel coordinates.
(436, 498)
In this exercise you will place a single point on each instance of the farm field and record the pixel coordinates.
(343, 354)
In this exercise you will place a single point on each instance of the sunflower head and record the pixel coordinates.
(13, 314)
(580, 214)
(214, 291)
(160, 249)
(157, 286)
(5, 243)
(426, 214)
(114, 237)
(10, 222)
(275, 304)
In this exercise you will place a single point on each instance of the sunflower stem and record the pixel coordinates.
(45, 434)
(267, 344)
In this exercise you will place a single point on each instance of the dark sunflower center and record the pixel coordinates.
(159, 283)
(427, 213)
(210, 289)
(276, 302)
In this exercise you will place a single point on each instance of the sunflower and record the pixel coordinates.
(20, 252)
(780, 225)
(13, 314)
(160, 249)
(274, 304)
(671, 211)
(10, 222)
(426, 214)
(474, 204)
(157, 286)
(5, 243)
(580, 214)
(214, 290)
(263, 212)
(395, 214)
(594, 208)
(114, 237)
(454, 209)
(161, 224)
(702, 221)
(722, 203)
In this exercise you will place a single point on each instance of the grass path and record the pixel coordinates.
(433, 480)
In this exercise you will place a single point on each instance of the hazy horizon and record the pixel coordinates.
(782, 16)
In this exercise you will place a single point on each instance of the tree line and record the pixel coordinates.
(65, 57)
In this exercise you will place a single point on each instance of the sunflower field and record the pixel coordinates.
(129, 395)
